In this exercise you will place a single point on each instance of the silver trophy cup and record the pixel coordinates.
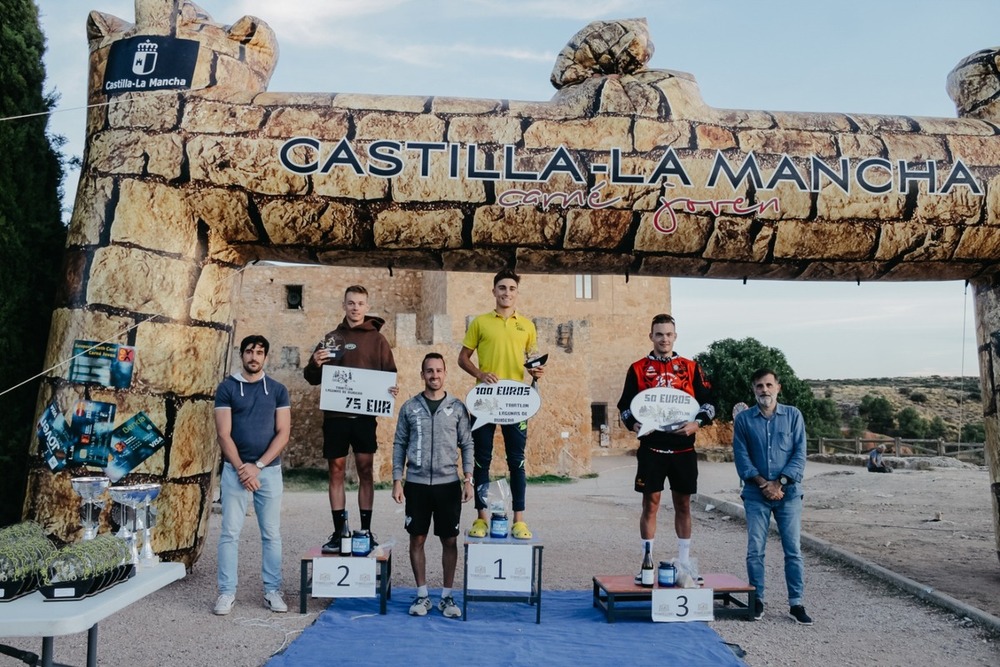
(137, 517)
(90, 490)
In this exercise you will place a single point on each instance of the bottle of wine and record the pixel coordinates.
(345, 538)
(648, 572)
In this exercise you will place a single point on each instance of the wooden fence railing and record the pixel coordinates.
(896, 447)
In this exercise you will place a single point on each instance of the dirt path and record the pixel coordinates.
(934, 526)
(591, 527)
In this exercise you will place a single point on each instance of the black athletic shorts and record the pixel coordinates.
(444, 501)
(653, 468)
(343, 433)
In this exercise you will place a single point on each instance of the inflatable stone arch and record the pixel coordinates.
(192, 169)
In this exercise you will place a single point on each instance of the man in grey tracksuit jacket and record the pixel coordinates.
(431, 428)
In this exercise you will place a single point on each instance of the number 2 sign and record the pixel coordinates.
(343, 577)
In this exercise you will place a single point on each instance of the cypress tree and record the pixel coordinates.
(32, 237)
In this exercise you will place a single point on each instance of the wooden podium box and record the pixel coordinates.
(618, 594)
(383, 574)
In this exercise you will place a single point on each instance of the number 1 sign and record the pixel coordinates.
(499, 567)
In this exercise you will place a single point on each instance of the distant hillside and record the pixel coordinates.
(951, 398)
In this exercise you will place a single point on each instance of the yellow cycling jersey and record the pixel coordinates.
(502, 345)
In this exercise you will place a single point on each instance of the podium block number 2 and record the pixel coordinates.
(499, 567)
(343, 577)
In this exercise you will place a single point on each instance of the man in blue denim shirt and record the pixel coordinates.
(769, 446)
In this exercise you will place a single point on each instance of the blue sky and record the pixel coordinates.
(871, 56)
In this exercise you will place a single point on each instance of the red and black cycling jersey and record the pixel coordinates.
(675, 372)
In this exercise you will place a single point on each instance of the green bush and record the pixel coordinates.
(911, 424)
(974, 432)
(878, 413)
(729, 363)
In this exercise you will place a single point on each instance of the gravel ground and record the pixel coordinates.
(588, 527)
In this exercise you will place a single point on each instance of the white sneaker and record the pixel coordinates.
(420, 606)
(224, 604)
(448, 607)
(275, 602)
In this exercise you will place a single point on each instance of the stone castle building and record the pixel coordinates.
(591, 326)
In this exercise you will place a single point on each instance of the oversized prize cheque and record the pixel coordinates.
(663, 409)
(503, 402)
(357, 390)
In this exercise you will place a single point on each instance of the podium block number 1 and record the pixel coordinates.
(499, 567)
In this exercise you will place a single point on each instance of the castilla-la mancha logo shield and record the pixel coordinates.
(144, 61)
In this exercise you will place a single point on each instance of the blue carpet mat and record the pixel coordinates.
(572, 632)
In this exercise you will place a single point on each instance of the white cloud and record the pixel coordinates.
(585, 10)
(347, 25)
(310, 22)
(306, 12)
(439, 55)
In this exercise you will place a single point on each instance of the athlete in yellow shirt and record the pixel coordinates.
(502, 340)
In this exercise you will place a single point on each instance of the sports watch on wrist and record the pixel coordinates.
(784, 480)
(260, 464)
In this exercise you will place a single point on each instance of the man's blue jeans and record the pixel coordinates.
(515, 437)
(788, 516)
(267, 507)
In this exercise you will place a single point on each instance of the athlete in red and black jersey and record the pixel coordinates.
(667, 454)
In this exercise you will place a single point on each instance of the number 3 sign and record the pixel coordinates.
(676, 605)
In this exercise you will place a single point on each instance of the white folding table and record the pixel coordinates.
(34, 616)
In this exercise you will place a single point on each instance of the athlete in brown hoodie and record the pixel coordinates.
(355, 343)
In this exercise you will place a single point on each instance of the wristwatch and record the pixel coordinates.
(785, 480)
(260, 464)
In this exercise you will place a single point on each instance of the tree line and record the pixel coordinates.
(730, 363)
(32, 236)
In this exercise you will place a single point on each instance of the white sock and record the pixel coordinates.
(683, 550)
(445, 592)
(422, 591)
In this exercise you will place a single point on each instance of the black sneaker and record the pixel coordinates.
(798, 612)
(333, 546)
(372, 543)
(758, 609)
